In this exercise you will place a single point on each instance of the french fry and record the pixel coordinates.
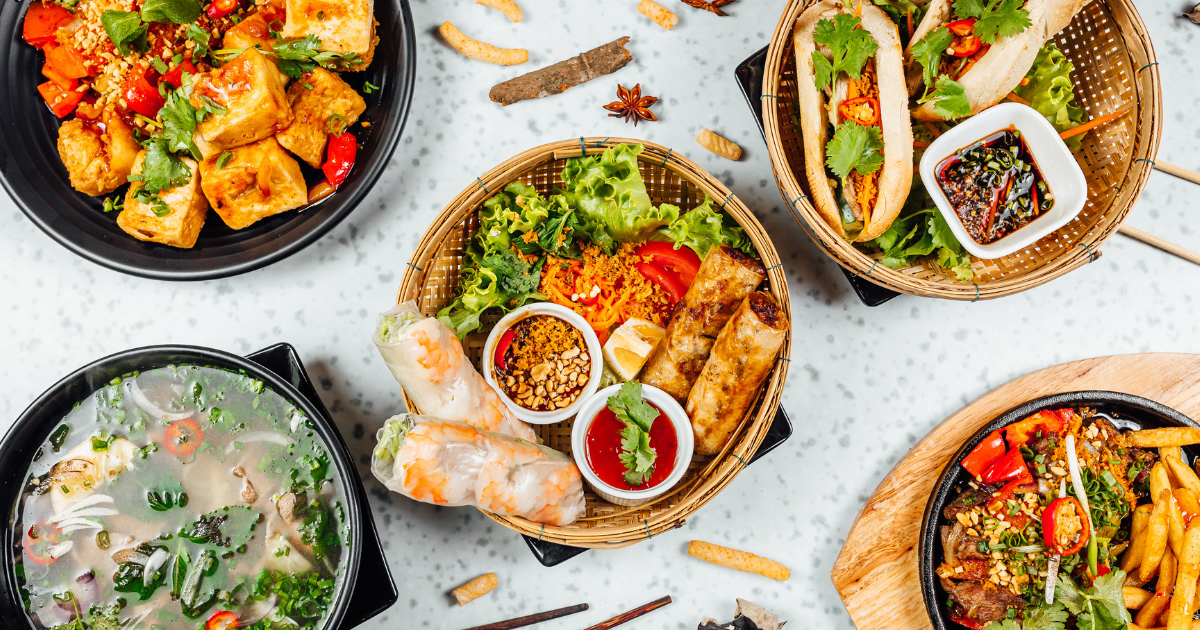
(1186, 476)
(507, 7)
(1137, 539)
(718, 145)
(475, 589)
(1165, 455)
(1159, 479)
(657, 12)
(1175, 527)
(738, 560)
(482, 51)
(1187, 502)
(1170, 436)
(1185, 583)
(1156, 535)
(1148, 616)
(1135, 597)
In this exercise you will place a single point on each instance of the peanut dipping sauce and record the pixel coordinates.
(542, 363)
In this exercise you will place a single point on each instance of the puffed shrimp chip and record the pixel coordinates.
(657, 12)
(475, 589)
(481, 51)
(722, 147)
(507, 7)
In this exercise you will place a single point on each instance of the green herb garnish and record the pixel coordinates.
(638, 416)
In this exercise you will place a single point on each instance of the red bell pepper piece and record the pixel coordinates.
(663, 278)
(1044, 421)
(683, 261)
(984, 455)
(61, 102)
(1065, 526)
(850, 110)
(141, 95)
(42, 21)
(965, 621)
(1011, 466)
(222, 620)
(966, 43)
(339, 158)
(66, 60)
(49, 72)
(175, 76)
(502, 347)
(220, 8)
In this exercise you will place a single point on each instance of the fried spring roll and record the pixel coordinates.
(724, 279)
(741, 359)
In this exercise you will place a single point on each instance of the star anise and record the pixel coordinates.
(632, 106)
(711, 7)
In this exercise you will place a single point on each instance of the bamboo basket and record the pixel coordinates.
(432, 278)
(1115, 69)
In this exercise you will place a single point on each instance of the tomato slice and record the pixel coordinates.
(175, 76)
(61, 102)
(984, 455)
(42, 21)
(663, 278)
(683, 261)
(62, 82)
(184, 437)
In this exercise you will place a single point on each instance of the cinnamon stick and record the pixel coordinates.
(557, 78)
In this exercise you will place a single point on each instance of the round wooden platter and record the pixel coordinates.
(876, 571)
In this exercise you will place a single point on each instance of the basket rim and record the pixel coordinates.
(723, 467)
(1148, 109)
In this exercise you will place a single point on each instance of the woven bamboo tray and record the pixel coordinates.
(1115, 69)
(432, 278)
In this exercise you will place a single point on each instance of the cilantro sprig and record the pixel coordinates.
(994, 19)
(161, 171)
(928, 52)
(854, 147)
(127, 29)
(850, 46)
(949, 99)
(296, 57)
(638, 416)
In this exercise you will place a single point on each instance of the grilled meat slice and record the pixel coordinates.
(983, 602)
(968, 499)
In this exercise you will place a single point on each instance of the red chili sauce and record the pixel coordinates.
(995, 186)
(604, 449)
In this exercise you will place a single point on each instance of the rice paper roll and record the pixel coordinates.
(451, 463)
(741, 359)
(725, 278)
(428, 361)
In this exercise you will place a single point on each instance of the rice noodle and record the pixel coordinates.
(257, 436)
(144, 403)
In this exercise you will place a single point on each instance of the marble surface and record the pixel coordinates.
(865, 383)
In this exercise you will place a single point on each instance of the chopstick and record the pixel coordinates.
(529, 620)
(1166, 246)
(633, 614)
(1171, 169)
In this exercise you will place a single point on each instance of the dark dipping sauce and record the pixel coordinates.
(995, 186)
(604, 449)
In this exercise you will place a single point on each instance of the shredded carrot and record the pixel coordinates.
(1025, 81)
(920, 145)
(932, 129)
(1092, 124)
(910, 24)
(1012, 96)
(605, 290)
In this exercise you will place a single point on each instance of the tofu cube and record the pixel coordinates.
(312, 111)
(255, 30)
(250, 90)
(256, 181)
(98, 161)
(344, 26)
(181, 226)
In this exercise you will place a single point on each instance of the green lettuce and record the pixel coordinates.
(609, 192)
(919, 231)
(704, 228)
(1050, 91)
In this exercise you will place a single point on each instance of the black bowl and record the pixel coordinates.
(367, 587)
(35, 177)
(1134, 412)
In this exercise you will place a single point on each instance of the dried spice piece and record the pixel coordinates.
(712, 7)
(559, 77)
(632, 106)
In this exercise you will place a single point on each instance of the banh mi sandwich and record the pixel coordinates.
(858, 152)
(966, 55)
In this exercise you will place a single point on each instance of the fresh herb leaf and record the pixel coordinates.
(179, 118)
(298, 56)
(112, 204)
(513, 272)
(201, 38)
(229, 527)
(928, 52)
(168, 11)
(161, 171)
(854, 147)
(918, 231)
(125, 28)
(949, 99)
(638, 415)
(850, 46)
(1099, 607)
(995, 19)
(130, 576)
(158, 64)
(318, 531)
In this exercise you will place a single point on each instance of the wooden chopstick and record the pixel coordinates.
(1181, 173)
(529, 620)
(633, 614)
(1166, 246)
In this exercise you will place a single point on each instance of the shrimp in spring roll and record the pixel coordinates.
(740, 361)
(451, 463)
(725, 278)
(427, 360)
(858, 153)
(965, 57)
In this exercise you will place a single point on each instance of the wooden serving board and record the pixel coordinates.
(876, 571)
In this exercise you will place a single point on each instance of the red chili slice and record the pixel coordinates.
(1065, 527)
(222, 620)
(850, 110)
(502, 347)
(966, 43)
(184, 437)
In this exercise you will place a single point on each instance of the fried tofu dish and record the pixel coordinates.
(203, 103)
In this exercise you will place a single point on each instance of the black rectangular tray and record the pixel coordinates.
(750, 78)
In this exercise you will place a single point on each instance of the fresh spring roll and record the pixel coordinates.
(741, 359)
(858, 141)
(724, 279)
(450, 463)
(428, 362)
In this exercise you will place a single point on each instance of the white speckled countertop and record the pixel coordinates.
(866, 383)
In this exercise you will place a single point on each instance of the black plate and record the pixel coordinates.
(1135, 412)
(367, 589)
(35, 177)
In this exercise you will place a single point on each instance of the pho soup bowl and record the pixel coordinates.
(185, 471)
(592, 463)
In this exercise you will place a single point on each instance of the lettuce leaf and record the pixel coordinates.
(1050, 91)
(920, 231)
(704, 228)
(609, 193)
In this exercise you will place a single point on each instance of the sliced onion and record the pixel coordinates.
(92, 511)
(1028, 549)
(258, 436)
(135, 392)
(1052, 576)
(155, 562)
(59, 550)
(1076, 478)
(74, 524)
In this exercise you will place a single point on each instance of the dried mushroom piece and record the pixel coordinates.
(749, 616)
(1194, 15)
